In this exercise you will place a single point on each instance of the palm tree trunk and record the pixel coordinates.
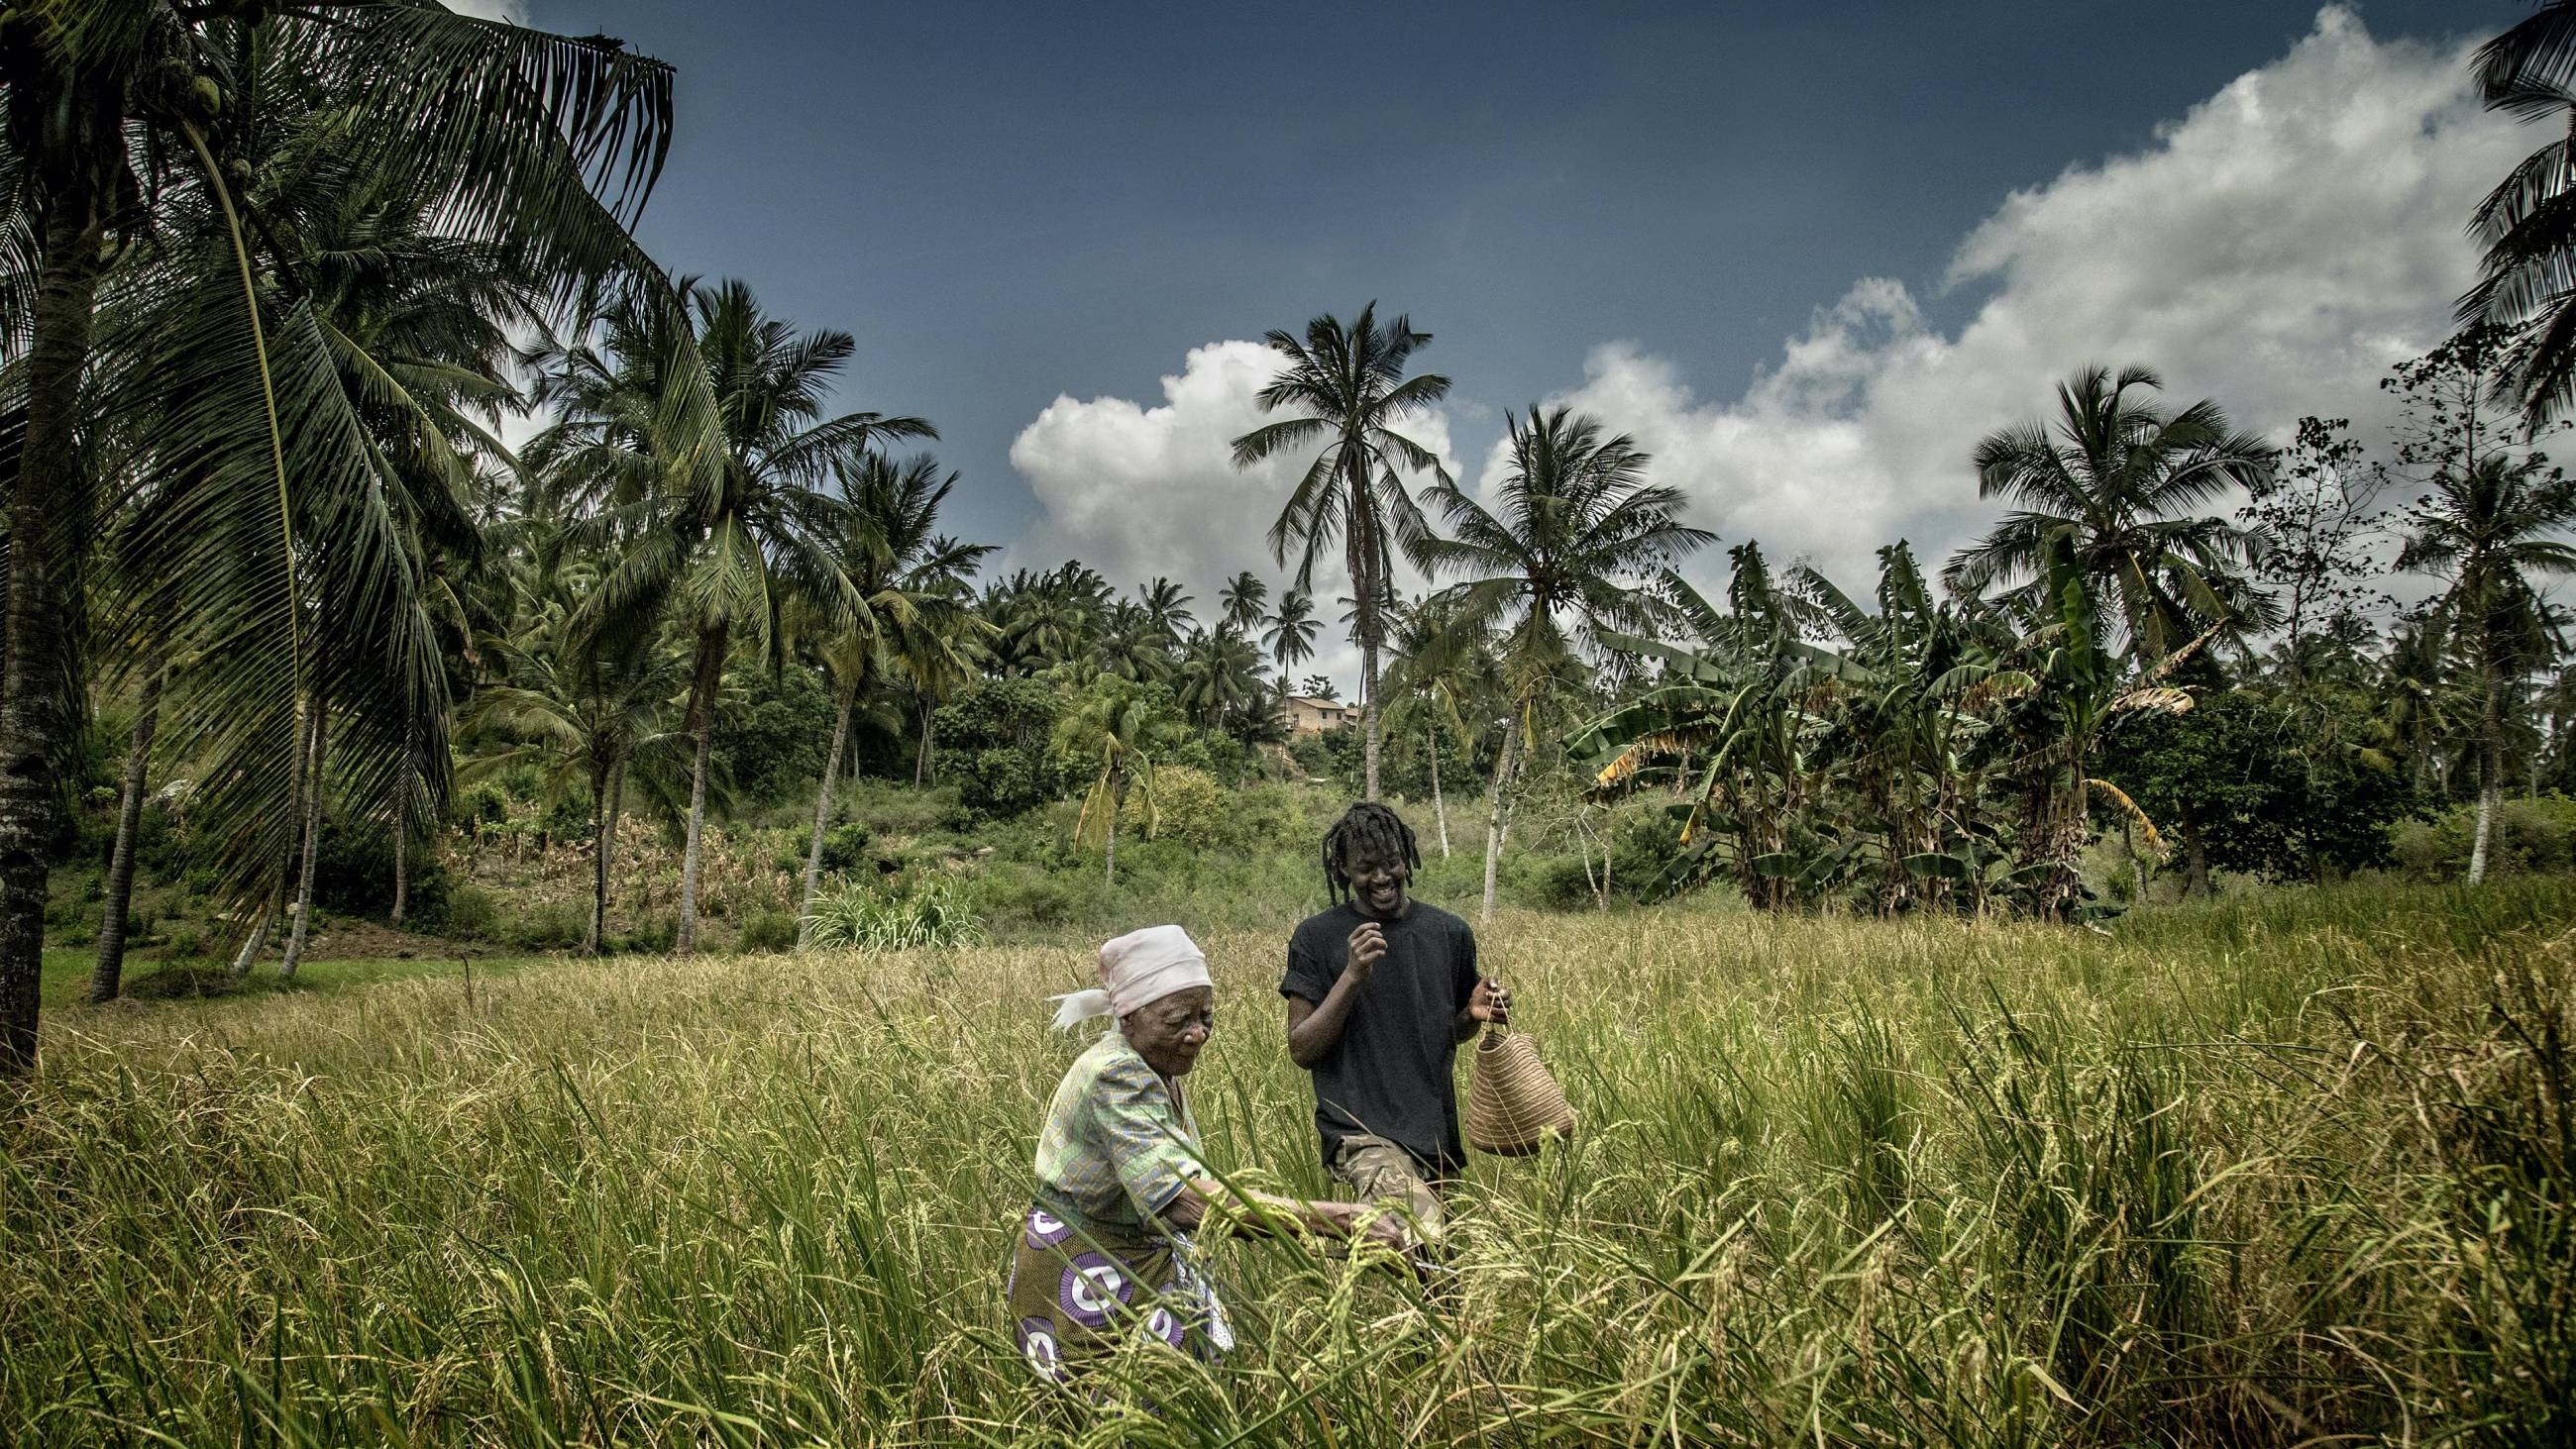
(2490, 766)
(1368, 713)
(105, 980)
(261, 928)
(2195, 879)
(402, 875)
(1113, 843)
(1494, 823)
(823, 813)
(602, 848)
(921, 770)
(1439, 808)
(702, 718)
(686, 940)
(48, 537)
(303, 927)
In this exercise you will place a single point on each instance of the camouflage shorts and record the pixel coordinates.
(1377, 1170)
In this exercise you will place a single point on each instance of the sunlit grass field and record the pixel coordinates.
(2284, 1168)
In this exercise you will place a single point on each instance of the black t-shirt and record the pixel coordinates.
(1389, 1075)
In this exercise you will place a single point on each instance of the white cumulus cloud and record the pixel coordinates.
(2276, 248)
(1140, 492)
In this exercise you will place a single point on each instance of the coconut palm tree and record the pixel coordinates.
(1109, 725)
(1348, 390)
(733, 552)
(1439, 689)
(127, 119)
(1045, 619)
(1579, 540)
(1131, 645)
(1219, 679)
(107, 976)
(2124, 483)
(1290, 637)
(942, 570)
(901, 620)
(1243, 598)
(582, 707)
(1167, 615)
(2487, 532)
(2528, 222)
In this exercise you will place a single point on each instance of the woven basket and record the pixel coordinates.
(1513, 1105)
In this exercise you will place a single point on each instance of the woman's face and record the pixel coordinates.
(1168, 1033)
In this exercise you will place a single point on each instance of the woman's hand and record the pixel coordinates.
(1365, 1222)
(1387, 1231)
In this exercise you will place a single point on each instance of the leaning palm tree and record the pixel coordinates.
(732, 553)
(1109, 726)
(2487, 532)
(131, 121)
(2124, 483)
(1580, 539)
(2527, 276)
(1348, 389)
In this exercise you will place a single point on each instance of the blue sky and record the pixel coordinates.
(1637, 207)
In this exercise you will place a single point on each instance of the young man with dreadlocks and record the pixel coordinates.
(1381, 990)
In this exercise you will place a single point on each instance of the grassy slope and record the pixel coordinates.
(2186, 1182)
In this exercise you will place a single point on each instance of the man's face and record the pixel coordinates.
(1378, 880)
(1169, 1033)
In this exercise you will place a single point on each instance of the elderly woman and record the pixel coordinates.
(1104, 1250)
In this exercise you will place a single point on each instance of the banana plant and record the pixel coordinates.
(1735, 707)
(1909, 698)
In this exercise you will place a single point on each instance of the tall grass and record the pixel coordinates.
(2265, 1172)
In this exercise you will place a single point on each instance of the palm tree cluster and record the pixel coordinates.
(1960, 750)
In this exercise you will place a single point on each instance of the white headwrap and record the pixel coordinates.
(1137, 969)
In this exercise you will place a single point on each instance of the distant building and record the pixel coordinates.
(1309, 714)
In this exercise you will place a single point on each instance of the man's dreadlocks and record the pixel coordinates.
(1364, 825)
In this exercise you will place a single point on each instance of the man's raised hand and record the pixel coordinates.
(1368, 947)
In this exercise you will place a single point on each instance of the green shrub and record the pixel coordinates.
(770, 743)
(1019, 894)
(549, 927)
(2530, 835)
(844, 846)
(1189, 806)
(652, 935)
(768, 930)
(484, 802)
(185, 942)
(858, 918)
(472, 914)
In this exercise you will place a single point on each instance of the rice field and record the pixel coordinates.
(2286, 1169)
